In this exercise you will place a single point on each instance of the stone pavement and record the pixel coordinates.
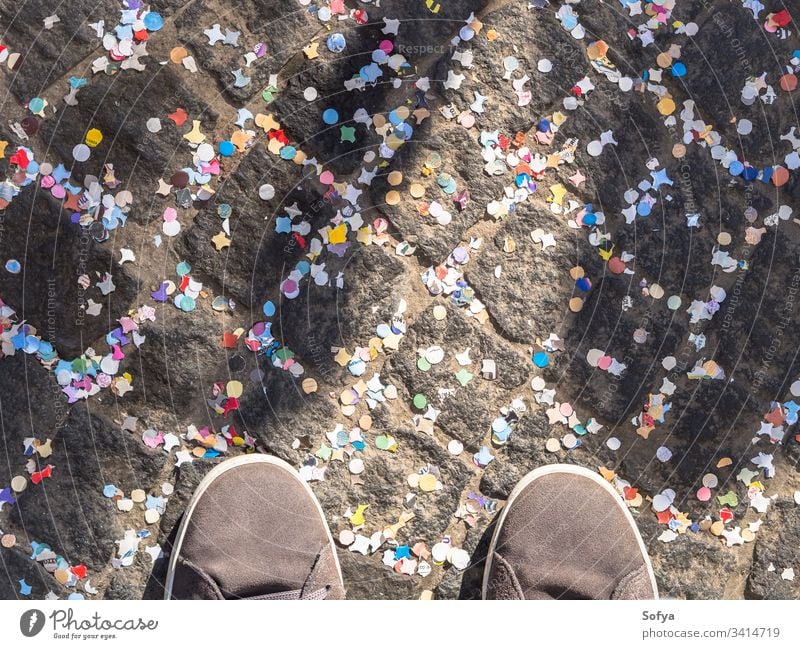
(525, 287)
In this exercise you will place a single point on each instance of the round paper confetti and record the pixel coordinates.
(538, 384)
(459, 558)
(428, 482)
(663, 453)
(330, 116)
(310, 93)
(594, 148)
(552, 445)
(81, 152)
(540, 359)
(19, 483)
(266, 192)
(454, 447)
(704, 494)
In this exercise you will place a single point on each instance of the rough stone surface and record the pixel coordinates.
(525, 288)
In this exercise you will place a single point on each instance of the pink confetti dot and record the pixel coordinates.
(704, 494)
(326, 178)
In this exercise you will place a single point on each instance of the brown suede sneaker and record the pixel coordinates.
(566, 534)
(254, 530)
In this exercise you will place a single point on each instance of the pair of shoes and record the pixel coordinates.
(255, 530)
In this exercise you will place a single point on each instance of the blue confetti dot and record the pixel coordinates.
(336, 43)
(643, 209)
(540, 359)
(226, 148)
(269, 308)
(187, 304)
(13, 266)
(678, 69)
(183, 268)
(750, 173)
(330, 116)
(36, 104)
(736, 168)
(589, 219)
(153, 21)
(583, 283)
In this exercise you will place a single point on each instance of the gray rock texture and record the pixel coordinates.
(525, 289)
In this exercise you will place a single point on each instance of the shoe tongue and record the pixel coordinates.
(634, 585)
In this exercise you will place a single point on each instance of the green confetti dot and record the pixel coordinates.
(420, 401)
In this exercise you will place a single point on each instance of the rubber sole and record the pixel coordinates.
(212, 475)
(568, 469)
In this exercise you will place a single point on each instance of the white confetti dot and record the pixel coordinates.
(594, 148)
(744, 127)
(544, 65)
(171, 228)
(538, 384)
(310, 93)
(663, 453)
(454, 447)
(81, 152)
(613, 443)
(266, 192)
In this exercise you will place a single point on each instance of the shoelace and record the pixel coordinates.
(320, 593)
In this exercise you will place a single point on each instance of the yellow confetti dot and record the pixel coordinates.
(394, 178)
(93, 137)
(427, 482)
(234, 389)
(664, 60)
(666, 106)
(392, 197)
(177, 54)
